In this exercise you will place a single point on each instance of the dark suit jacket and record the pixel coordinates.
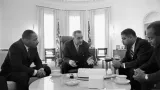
(3, 83)
(154, 61)
(17, 59)
(70, 52)
(142, 53)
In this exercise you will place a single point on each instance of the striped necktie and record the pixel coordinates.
(131, 53)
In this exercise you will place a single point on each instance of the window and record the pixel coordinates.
(48, 30)
(74, 24)
(99, 32)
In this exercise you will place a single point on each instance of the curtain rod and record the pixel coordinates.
(71, 10)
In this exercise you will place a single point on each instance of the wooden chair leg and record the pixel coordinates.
(102, 64)
(45, 60)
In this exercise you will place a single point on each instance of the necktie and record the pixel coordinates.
(131, 53)
(28, 52)
(77, 48)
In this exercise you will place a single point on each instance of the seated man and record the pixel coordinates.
(3, 83)
(138, 52)
(76, 54)
(148, 79)
(21, 54)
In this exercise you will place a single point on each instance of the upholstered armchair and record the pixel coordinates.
(63, 40)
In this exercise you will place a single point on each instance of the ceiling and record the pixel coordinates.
(75, 0)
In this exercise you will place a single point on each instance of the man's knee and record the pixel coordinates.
(3, 83)
(47, 70)
(24, 76)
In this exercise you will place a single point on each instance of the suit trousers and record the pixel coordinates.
(3, 83)
(135, 85)
(22, 78)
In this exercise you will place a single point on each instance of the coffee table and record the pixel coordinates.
(57, 83)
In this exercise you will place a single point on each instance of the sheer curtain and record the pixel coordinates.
(74, 21)
(99, 29)
(91, 22)
(47, 20)
(94, 21)
(40, 23)
(108, 40)
(84, 24)
(83, 17)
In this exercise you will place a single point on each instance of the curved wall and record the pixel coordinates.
(74, 5)
(19, 15)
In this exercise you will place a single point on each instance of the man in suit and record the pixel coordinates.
(76, 54)
(148, 79)
(138, 52)
(21, 54)
(3, 83)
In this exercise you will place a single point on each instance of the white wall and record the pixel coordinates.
(19, 15)
(130, 14)
(1, 3)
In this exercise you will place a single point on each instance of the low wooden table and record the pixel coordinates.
(56, 83)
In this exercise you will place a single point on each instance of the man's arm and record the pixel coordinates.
(16, 58)
(154, 77)
(37, 60)
(126, 56)
(149, 63)
(143, 55)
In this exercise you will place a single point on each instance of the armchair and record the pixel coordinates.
(63, 40)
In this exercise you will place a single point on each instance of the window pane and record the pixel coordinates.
(74, 24)
(99, 25)
(48, 30)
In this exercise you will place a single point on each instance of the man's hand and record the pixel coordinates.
(72, 63)
(137, 71)
(41, 73)
(90, 60)
(139, 75)
(116, 63)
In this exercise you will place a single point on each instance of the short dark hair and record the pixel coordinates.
(156, 27)
(27, 34)
(128, 32)
(77, 31)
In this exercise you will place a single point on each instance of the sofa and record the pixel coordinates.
(11, 85)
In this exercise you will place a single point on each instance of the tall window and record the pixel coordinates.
(74, 24)
(99, 32)
(48, 30)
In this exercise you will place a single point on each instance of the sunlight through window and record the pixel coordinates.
(48, 30)
(99, 25)
(74, 24)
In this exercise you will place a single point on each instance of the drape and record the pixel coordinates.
(61, 25)
(40, 23)
(108, 42)
(84, 24)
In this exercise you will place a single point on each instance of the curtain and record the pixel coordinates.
(40, 23)
(91, 22)
(61, 26)
(84, 24)
(108, 42)
(66, 23)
